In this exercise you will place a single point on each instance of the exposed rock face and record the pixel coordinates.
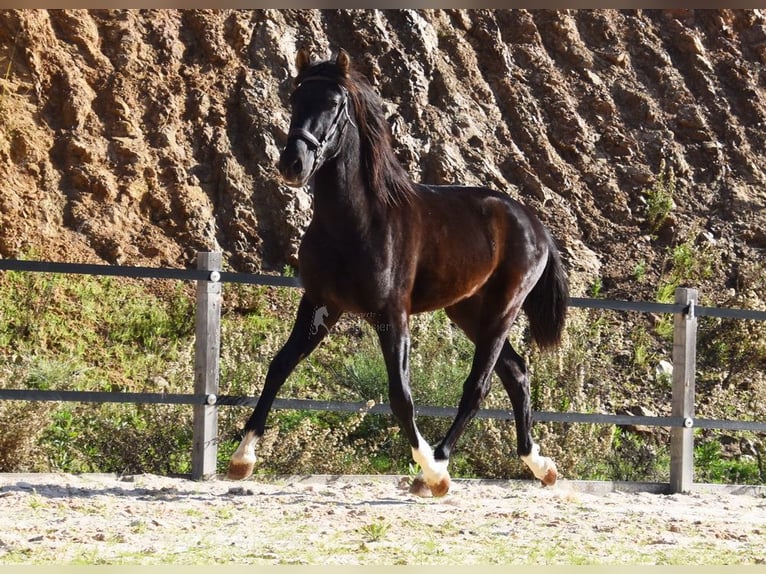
(140, 137)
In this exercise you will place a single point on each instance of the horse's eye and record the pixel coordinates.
(331, 103)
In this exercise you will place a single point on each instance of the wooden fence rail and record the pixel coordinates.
(205, 400)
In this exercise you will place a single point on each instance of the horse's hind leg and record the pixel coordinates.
(512, 370)
(475, 389)
(304, 338)
(489, 342)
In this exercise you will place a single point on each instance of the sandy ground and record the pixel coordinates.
(146, 519)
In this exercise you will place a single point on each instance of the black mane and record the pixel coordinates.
(383, 175)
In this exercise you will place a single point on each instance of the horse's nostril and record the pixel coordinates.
(291, 166)
(287, 167)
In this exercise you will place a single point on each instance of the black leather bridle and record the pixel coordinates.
(340, 121)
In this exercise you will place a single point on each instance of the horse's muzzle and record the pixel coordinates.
(293, 165)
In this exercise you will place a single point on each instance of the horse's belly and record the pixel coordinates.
(432, 291)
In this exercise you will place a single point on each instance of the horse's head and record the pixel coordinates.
(321, 111)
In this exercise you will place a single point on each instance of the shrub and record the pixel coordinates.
(659, 198)
(22, 425)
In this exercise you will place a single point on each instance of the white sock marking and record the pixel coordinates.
(433, 470)
(539, 465)
(245, 452)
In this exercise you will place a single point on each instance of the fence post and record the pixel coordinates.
(206, 352)
(684, 366)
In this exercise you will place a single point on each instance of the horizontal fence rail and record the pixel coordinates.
(148, 272)
(376, 409)
(284, 281)
(205, 399)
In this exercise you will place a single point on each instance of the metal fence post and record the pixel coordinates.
(206, 352)
(684, 365)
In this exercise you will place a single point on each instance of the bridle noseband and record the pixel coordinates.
(342, 118)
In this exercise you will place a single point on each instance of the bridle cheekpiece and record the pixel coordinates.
(341, 120)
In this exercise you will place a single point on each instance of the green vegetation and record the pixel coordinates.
(84, 333)
(596, 288)
(639, 271)
(659, 198)
(375, 531)
(713, 465)
(90, 333)
(685, 263)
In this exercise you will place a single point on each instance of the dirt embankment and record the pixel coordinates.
(139, 137)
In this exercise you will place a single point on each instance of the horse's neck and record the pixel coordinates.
(341, 202)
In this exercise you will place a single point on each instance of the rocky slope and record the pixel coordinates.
(140, 137)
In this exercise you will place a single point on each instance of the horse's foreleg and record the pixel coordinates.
(513, 373)
(393, 333)
(302, 341)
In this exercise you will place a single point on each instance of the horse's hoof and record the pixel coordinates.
(239, 470)
(442, 487)
(551, 476)
(419, 487)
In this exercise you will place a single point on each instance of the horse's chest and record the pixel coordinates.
(341, 273)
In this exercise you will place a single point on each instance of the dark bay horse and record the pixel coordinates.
(385, 247)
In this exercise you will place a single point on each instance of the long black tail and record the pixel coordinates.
(546, 305)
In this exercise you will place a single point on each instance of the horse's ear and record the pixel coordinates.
(302, 59)
(343, 61)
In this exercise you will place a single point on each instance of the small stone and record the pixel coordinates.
(240, 491)
(663, 370)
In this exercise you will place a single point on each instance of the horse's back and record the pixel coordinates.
(470, 237)
(495, 215)
(475, 199)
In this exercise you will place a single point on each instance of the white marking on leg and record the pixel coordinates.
(539, 465)
(245, 453)
(433, 470)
